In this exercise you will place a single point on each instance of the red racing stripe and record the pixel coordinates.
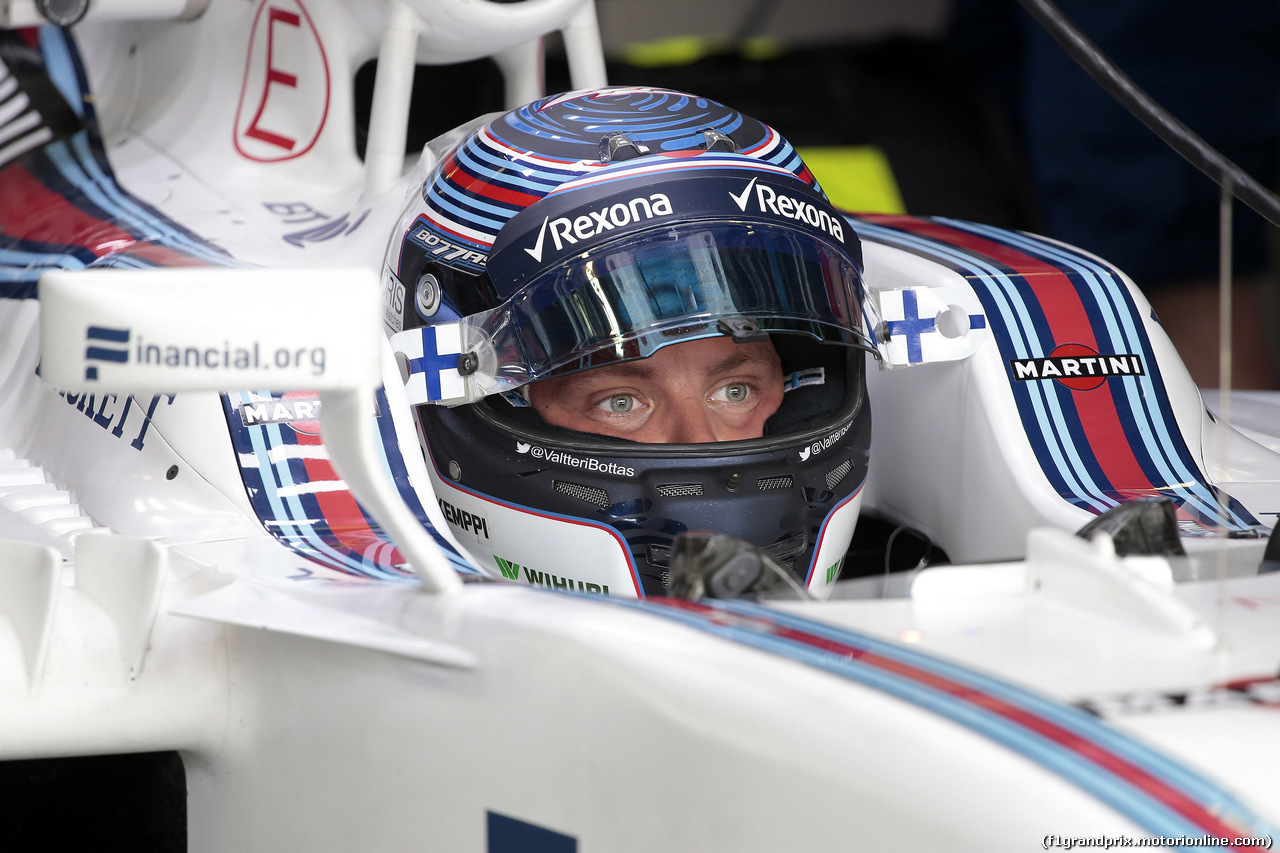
(1179, 802)
(1069, 324)
(34, 212)
(343, 515)
(162, 255)
(454, 171)
(1092, 751)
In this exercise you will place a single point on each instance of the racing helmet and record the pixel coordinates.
(600, 226)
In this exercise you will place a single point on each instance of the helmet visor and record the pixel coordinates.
(627, 299)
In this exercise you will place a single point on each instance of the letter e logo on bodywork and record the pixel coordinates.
(284, 98)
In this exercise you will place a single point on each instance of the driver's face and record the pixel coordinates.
(710, 389)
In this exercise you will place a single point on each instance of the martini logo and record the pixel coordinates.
(1077, 366)
(769, 200)
(300, 410)
(565, 231)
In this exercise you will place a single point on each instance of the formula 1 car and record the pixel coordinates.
(219, 536)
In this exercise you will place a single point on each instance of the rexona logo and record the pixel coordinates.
(565, 231)
(511, 571)
(769, 200)
(1077, 366)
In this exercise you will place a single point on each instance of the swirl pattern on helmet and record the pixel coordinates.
(524, 154)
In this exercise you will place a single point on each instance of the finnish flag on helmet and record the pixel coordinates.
(431, 354)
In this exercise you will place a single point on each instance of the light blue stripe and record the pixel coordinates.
(1153, 426)
(484, 161)
(16, 265)
(1052, 424)
(283, 514)
(469, 218)
(460, 563)
(62, 71)
(1073, 719)
(602, 178)
(101, 189)
(786, 157)
(1108, 787)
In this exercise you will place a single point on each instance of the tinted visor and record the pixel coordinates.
(627, 299)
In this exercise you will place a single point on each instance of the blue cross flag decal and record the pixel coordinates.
(431, 355)
(926, 324)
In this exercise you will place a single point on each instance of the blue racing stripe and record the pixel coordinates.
(762, 628)
(91, 178)
(1074, 719)
(1038, 405)
(1159, 441)
(394, 467)
(1142, 408)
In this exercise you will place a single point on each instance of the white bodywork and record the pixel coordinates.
(147, 608)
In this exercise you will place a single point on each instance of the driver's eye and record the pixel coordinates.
(620, 404)
(736, 392)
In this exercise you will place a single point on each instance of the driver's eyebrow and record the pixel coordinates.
(641, 370)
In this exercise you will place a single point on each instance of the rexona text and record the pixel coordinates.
(769, 200)
(586, 225)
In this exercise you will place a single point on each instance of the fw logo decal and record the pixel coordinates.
(97, 340)
(510, 571)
